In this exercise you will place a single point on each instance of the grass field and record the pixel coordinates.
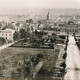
(19, 51)
(47, 71)
(10, 57)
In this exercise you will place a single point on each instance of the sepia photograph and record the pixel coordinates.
(39, 39)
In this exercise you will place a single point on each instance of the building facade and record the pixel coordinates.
(7, 34)
(69, 28)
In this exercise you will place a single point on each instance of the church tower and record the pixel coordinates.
(48, 16)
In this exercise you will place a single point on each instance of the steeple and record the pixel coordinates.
(48, 16)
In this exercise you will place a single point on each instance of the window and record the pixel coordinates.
(6, 38)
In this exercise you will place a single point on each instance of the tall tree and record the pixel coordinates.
(23, 33)
(29, 21)
(39, 23)
(16, 36)
(17, 24)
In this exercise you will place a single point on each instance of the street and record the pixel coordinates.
(72, 61)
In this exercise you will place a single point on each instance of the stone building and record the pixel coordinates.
(68, 28)
(7, 34)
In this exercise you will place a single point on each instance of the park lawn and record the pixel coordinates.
(10, 57)
(47, 71)
(13, 51)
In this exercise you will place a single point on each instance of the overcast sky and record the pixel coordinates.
(39, 4)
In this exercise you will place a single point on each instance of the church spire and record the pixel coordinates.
(48, 16)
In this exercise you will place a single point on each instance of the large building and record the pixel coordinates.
(68, 28)
(7, 34)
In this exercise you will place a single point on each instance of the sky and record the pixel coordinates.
(39, 4)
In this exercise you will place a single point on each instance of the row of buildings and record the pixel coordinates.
(48, 25)
(71, 26)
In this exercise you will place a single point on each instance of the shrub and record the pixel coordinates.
(16, 36)
(2, 40)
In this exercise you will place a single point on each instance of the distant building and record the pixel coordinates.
(50, 30)
(68, 28)
(18, 26)
(33, 27)
(47, 20)
(8, 25)
(7, 34)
